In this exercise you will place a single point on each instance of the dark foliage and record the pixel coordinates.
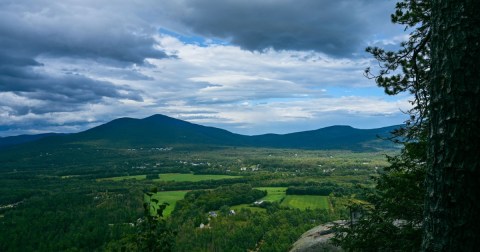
(392, 220)
(323, 189)
(452, 220)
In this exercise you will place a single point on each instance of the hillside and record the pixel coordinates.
(154, 131)
(333, 137)
(16, 140)
(161, 131)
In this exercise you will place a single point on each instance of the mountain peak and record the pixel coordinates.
(158, 117)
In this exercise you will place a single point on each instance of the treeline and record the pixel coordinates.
(119, 172)
(324, 189)
(204, 184)
(222, 196)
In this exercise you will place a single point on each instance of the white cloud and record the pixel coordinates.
(222, 85)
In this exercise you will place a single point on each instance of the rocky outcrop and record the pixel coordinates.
(317, 239)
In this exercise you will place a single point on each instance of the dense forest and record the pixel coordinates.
(68, 207)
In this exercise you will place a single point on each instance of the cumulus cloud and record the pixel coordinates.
(281, 116)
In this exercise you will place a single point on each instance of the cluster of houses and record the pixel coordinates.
(11, 205)
(153, 149)
(252, 168)
(214, 214)
(328, 170)
(193, 164)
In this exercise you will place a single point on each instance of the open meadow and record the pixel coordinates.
(306, 201)
(274, 194)
(169, 197)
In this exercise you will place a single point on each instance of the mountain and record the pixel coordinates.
(15, 140)
(161, 131)
(156, 130)
(333, 137)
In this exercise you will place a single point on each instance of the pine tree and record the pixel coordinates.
(452, 212)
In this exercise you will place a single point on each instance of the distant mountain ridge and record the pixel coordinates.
(15, 140)
(161, 130)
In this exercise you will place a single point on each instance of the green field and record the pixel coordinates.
(252, 208)
(171, 197)
(177, 177)
(306, 201)
(276, 194)
(273, 193)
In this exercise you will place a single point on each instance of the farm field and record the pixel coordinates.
(170, 197)
(177, 177)
(274, 194)
(252, 208)
(306, 201)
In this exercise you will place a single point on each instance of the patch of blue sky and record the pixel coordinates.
(363, 92)
(194, 40)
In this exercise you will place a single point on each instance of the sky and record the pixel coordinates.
(247, 66)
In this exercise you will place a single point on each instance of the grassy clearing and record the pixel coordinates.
(177, 177)
(274, 194)
(247, 206)
(306, 201)
(170, 197)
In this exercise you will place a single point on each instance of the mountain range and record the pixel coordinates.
(161, 131)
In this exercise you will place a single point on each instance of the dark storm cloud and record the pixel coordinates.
(338, 28)
(10, 60)
(55, 30)
(58, 93)
(34, 31)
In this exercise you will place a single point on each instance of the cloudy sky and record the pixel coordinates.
(247, 66)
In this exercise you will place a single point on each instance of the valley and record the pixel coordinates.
(86, 193)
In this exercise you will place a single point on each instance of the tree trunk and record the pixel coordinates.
(452, 210)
